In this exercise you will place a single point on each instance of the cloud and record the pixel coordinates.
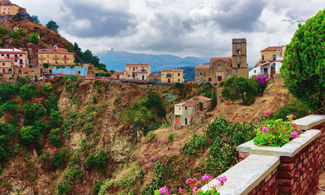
(93, 20)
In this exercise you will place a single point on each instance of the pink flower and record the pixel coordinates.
(299, 130)
(266, 114)
(265, 129)
(222, 179)
(206, 177)
(194, 190)
(293, 116)
(191, 181)
(294, 135)
(180, 190)
(163, 190)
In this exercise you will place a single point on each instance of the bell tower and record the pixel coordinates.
(239, 57)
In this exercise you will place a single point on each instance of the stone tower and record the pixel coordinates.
(239, 57)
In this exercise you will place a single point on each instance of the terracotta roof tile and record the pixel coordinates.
(203, 98)
(154, 75)
(174, 70)
(272, 48)
(190, 103)
(202, 67)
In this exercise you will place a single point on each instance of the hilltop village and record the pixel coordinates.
(70, 126)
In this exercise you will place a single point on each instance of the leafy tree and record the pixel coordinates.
(23, 80)
(52, 25)
(9, 106)
(35, 19)
(54, 137)
(7, 132)
(29, 135)
(32, 113)
(51, 103)
(61, 158)
(98, 161)
(28, 91)
(303, 67)
(7, 90)
(34, 38)
(55, 118)
(3, 30)
(240, 88)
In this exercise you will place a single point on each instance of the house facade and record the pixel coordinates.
(187, 112)
(56, 56)
(118, 75)
(6, 8)
(137, 71)
(172, 76)
(221, 68)
(17, 57)
(156, 78)
(270, 63)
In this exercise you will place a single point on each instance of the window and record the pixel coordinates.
(262, 58)
(2, 54)
(21, 61)
(16, 56)
(185, 108)
(21, 55)
(200, 73)
(238, 51)
(8, 56)
(3, 64)
(238, 65)
(179, 80)
(274, 57)
(219, 78)
(16, 60)
(179, 74)
(254, 71)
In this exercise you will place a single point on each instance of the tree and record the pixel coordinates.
(52, 25)
(28, 91)
(29, 135)
(33, 38)
(303, 67)
(55, 118)
(35, 19)
(45, 65)
(240, 88)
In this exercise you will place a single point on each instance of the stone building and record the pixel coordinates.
(56, 56)
(17, 57)
(8, 9)
(154, 77)
(186, 113)
(137, 71)
(221, 68)
(172, 76)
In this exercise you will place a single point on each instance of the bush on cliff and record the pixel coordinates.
(303, 68)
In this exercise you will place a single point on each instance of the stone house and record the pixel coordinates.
(17, 57)
(56, 56)
(118, 75)
(172, 76)
(8, 9)
(156, 78)
(137, 71)
(186, 113)
(221, 68)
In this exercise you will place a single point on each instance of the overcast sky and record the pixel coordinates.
(201, 28)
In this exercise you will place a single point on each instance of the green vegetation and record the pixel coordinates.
(303, 67)
(171, 138)
(98, 161)
(196, 144)
(236, 88)
(145, 112)
(207, 90)
(52, 25)
(7, 133)
(28, 91)
(34, 37)
(54, 137)
(294, 106)
(61, 158)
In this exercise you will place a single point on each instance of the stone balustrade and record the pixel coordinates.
(291, 169)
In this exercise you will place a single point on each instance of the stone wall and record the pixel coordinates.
(294, 169)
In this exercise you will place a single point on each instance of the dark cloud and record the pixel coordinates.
(104, 22)
(238, 15)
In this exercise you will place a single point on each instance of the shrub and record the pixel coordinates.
(55, 119)
(29, 135)
(303, 67)
(9, 106)
(7, 90)
(196, 144)
(240, 88)
(47, 87)
(171, 138)
(99, 161)
(61, 158)
(28, 91)
(44, 158)
(7, 132)
(23, 80)
(150, 136)
(32, 113)
(54, 137)
(52, 25)
(276, 133)
(293, 106)
(34, 38)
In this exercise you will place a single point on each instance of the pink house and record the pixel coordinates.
(18, 57)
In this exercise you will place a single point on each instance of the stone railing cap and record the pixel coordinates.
(246, 175)
(290, 149)
(308, 122)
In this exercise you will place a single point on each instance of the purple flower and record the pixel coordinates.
(194, 190)
(299, 130)
(265, 129)
(163, 190)
(266, 114)
(222, 179)
(294, 135)
(293, 116)
(206, 177)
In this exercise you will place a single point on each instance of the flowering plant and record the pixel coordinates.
(276, 133)
(206, 178)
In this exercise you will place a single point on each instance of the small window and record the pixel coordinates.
(255, 71)
(274, 57)
(179, 74)
(2, 54)
(185, 108)
(179, 80)
(238, 51)
(200, 73)
(21, 55)
(238, 65)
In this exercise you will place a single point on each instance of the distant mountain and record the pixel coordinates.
(116, 60)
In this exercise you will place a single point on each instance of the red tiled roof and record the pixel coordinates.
(137, 65)
(190, 103)
(272, 48)
(227, 59)
(118, 73)
(53, 51)
(172, 70)
(202, 67)
(154, 75)
(203, 98)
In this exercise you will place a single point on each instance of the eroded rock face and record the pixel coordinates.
(19, 187)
